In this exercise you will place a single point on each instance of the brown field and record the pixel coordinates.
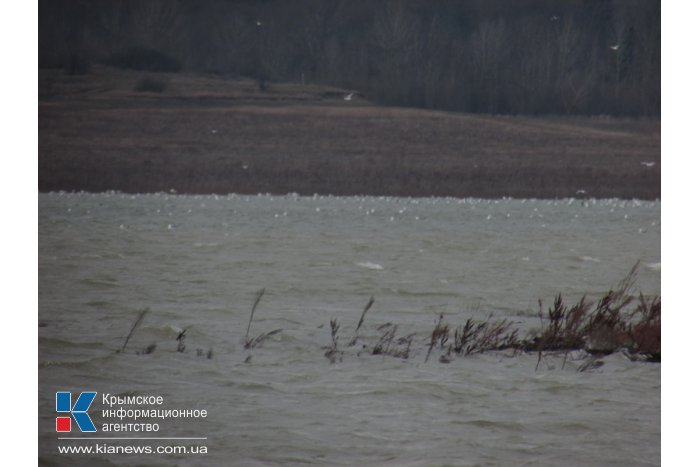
(212, 135)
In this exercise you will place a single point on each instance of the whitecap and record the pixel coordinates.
(370, 265)
(653, 266)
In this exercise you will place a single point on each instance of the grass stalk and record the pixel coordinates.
(258, 296)
(136, 324)
(362, 320)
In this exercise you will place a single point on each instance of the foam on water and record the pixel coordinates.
(370, 265)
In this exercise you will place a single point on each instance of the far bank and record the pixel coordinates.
(200, 134)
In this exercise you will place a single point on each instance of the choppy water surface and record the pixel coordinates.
(197, 262)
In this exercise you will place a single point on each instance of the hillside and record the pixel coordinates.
(207, 134)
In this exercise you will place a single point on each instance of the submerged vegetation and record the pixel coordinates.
(619, 321)
(605, 326)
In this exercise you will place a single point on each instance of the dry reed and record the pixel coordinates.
(136, 324)
(362, 320)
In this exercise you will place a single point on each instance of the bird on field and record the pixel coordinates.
(349, 96)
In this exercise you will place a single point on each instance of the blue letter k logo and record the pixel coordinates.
(79, 410)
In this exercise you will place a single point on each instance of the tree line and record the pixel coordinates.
(587, 57)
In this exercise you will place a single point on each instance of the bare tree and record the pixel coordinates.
(487, 47)
(155, 23)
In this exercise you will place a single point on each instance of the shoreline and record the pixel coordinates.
(468, 199)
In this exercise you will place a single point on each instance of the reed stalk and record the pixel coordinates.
(362, 320)
(136, 324)
(258, 296)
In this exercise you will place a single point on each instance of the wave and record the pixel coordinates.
(370, 265)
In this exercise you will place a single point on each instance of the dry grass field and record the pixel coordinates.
(203, 134)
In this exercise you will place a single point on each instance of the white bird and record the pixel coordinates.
(349, 96)
(615, 47)
(258, 23)
(648, 164)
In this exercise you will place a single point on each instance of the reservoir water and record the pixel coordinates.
(197, 262)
